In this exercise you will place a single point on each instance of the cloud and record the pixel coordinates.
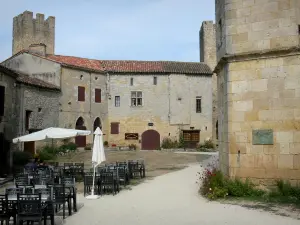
(118, 29)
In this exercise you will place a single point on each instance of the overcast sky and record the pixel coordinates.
(117, 29)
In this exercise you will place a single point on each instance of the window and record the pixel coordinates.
(131, 81)
(81, 94)
(220, 33)
(117, 101)
(136, 98)
(2, 100)
(198, 105)
(155, 80)
(27, 119)
(114, 128)
(97, 95)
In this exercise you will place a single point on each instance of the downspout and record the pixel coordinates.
(90, 93)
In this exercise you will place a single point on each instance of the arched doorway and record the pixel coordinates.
(80, 141)
(97, 123)
(217, 130)
(150, 140)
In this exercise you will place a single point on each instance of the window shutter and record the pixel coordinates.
(114, 128)
(97, 95)
(2, 100)
(81, 94)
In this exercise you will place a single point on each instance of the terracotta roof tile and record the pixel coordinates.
(130, 66)
(23, 78)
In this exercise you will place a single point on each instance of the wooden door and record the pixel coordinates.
(80, 141)
(29, 147)
(150, 140)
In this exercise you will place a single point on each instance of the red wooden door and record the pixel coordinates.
(80, 141)
(150, 140)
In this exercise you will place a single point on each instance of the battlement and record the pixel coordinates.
(28, 30)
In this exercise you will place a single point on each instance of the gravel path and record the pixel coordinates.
(168, 199)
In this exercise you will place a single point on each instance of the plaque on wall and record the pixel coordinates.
(262, 137)
(131, 136)
(150, 124)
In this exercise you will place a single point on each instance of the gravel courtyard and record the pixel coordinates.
(168, 199)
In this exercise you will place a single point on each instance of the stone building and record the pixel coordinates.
(259, 89)
(134, 102)
(208, 55)
(26, 105)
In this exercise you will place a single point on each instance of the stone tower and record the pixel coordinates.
(28, 31)
(258, 64)
(208, 55)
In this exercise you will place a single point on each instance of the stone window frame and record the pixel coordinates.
(117, 101)
(155, 80)
(136, 98)
(131, 81)
(98, 94)
(114, 128)
(198, 104)
(28, 114)
(81, 94)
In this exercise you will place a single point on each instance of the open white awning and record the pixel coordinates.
(51, 133)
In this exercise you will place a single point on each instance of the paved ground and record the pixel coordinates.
(168, 199)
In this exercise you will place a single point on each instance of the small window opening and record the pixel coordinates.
(81, 77)
(39, 109)
(131, 81)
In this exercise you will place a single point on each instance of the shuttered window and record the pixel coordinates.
(114, 128)
(97, 95)
(198, 105)
(2, 100)
(81, 94)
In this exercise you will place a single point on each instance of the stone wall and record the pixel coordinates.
(250, 25)
(36, 67)
(71, 109)
(165, 105)
(265, 94)
(44, 107)
(258, 91)
(27, 31)
(208, 55)
(9, 122)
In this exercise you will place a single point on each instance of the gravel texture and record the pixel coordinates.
(168, 199)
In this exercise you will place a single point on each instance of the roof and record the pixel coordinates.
(131, 66)
(26, 79)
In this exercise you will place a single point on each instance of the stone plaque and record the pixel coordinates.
(262, 137)
(131, 136)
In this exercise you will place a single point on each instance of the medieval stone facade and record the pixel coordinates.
(132, 101)
(258, 89)
(26, 105)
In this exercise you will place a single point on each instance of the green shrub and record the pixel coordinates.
(44, 155)
(168, 143)
(68, 146)
(132, 147)
(88, 147)
(181, 143)
(215, 185)
(105, 143)
(21, 158)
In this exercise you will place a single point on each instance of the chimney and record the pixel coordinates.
(39, 49)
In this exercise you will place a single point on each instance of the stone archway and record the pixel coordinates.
(97, 123)
(80, 141)
(150, 140)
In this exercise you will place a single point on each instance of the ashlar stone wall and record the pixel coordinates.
(263, 94)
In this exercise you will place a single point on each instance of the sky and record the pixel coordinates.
(117, 29)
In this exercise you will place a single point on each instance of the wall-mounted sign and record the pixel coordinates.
(262, 137)
(150, 124)
(131, 136)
